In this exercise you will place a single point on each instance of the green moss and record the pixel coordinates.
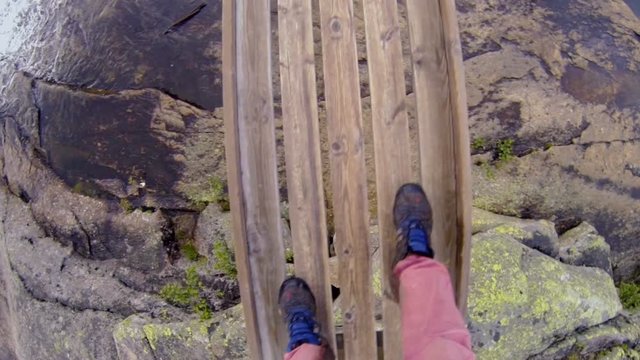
(177, 294)
(219, 294)
(86, 189)
(505, 150)
(478, 144)
(182, 235)
(213, 193)
(126, 205)
(288, 255)
(188, 295)
(189, 251)
(489, 171)
(203, 310)
(224, 260)
(630, 295)
(573, 356)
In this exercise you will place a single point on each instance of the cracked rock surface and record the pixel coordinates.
(112, 144)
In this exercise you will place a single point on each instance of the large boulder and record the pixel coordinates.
(222, 337)
(536, 234)
(619, 333)
(38, 321)
(552, 87)
(583, 246)
(521, 301)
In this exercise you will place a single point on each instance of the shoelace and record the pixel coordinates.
(301, 328)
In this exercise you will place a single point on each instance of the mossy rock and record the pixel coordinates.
(521, 301)
(536, 234)
(583, 246)
(222, 337)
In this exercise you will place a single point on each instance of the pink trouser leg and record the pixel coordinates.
(305, 352)
(432, 326)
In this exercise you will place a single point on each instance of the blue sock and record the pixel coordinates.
(418, 240)
(301, 328)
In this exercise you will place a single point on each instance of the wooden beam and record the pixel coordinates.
(251, 167)
(462, 151)
(391, 143)
(303, 161)
(348, 175)
(442, 123)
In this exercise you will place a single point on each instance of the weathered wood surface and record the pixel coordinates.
(348, 175)
(443, 132)
(391, 144)
(303, 161)
(462, 148)
(251, 166)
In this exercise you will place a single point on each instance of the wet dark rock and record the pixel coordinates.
(166, 147)
(119, 45)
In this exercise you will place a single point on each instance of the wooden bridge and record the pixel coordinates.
(251, 156)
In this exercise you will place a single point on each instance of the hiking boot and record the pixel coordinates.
(298, 307)
(413, 220)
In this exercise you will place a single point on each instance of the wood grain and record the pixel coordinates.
(460, 119)
(251, 167)
(303, 162)
(391, 144)
(439, 89)
(348, 175)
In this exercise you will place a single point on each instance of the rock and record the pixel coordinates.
(536, 234)
(52, 272)
(531, 187)
(174, 151)
(50, 331)
(134, 53)
(521, 301)
(623, 329)
(583, 246)
(222, 337)
(619, 353)
(96, 228)
(39, 328)
(547, 77)
(213, 225)
(131, 341)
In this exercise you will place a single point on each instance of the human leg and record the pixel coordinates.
(432, 326)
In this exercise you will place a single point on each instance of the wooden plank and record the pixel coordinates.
(391, 143)
(303, 162)
(458, 98)
(441, 123)
(251, 167)
(348, 175)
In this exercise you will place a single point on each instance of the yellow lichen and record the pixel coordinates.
(377, 283)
